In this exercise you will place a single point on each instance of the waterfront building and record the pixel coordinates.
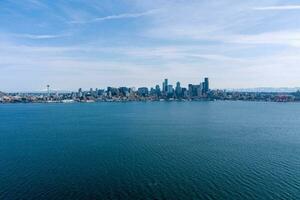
(100, 92)
(143, 91)
(124, 91)
(112, 91)
(195, 90)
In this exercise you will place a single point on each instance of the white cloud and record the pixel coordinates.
(282, 7)
(113, 17)
(56, 64)
(40, 37)
(287, 38)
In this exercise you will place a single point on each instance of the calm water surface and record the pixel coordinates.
(190, 150)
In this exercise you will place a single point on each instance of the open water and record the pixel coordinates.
(154, 150)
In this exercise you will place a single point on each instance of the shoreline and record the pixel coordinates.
(145, 101)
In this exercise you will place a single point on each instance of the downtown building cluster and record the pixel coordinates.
(165, 92)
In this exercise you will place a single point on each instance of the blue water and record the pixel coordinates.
(188, 150)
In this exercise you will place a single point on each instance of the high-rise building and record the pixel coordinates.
(112, 91)
(143, 91)
(48, 91)
(80, 94)
(185, 92)
(100, 92)
(157, 90)
(206, 85)
(200, 89)
(124, 91)
(190, 90)
(178, 85)
(165, 86)
(170, 89)
(178, 90)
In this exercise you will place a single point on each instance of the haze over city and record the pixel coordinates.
(84, 44)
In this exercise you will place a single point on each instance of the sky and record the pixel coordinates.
(70, 44)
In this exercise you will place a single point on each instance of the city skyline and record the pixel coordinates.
(237, 44)
(164, 92)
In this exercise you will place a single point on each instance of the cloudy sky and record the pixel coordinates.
(95, 43)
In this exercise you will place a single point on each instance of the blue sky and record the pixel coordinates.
(96, 43)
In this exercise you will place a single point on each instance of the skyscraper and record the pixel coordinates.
(165, 86)
(80, 94)
(157, 90)
(170, 89)
(206, 85)
(48, 90)
(190, 90)
(178, 84)
(178, 89)
(143, 91)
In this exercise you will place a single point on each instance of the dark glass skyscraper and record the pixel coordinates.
(178, 89)
(206, 85)
(165, 85)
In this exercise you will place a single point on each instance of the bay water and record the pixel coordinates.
(150, 150)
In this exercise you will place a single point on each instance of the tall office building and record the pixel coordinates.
(165, 86)
(178, 85)
(190, 90)
(206, 85)
(48, 90)
(157, 90)
(200, 89)
(80, 94)
(178, 89)
(170, 89)
(143, 91)
(124, 91)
